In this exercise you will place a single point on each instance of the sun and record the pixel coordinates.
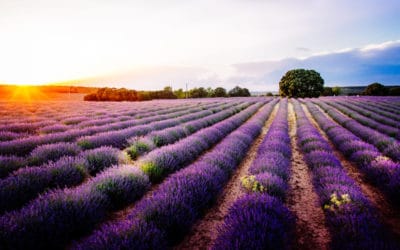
(27, 93)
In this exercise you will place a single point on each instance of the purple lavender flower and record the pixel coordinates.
(10, 163)
(52, 152)
(256, 222)
(100, 158)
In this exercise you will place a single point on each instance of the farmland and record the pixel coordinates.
(213, 173)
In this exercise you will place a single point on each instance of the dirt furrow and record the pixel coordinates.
(311, 232)
(205, 231)
(388, 214)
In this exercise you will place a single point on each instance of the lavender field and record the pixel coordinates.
(217, 173)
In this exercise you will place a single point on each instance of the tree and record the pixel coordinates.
(336, 90)
(219, 92)
(168, 89)
(198, 92)
(375, 89)
(179, 93)
(394, 91)
(210, 92)
(269, 94)
(327, 91)
(238, 91)
(301, 83)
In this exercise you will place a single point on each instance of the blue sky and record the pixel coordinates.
(153, 43)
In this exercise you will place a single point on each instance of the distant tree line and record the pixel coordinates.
(378, 89)
(123, 94)
(328, 91)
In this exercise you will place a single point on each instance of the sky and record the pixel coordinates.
(154, 43)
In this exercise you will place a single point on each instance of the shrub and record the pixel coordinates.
(52, 152)
(10, 163)
(256, 222)
(100, 158)
(26, 183)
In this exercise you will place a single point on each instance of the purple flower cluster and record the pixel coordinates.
(163, 218)
(165, 160)
(384, 143)
(27, 127)
(24, 146)
(52, 152)
(354, 113)
(256, 221)
(118, 138)
(8, 135)
(98, 159)
(9, 164)
(372, 113)
(173, 134)
(260, 220)
(381, 105)
(377, 114)
(26, 183)
(379, 169)
(349, 215)
(53, 128)
(57, 217)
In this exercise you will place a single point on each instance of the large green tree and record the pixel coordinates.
(375, 89)
(238, 91)
(219, 92)
(198, 92)
(301, 83)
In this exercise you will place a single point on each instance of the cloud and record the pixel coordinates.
(303, 49)
(375, 62)
(345, 67)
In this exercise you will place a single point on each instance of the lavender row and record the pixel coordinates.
(163, 218)
(380, 105)
(44, 153)
(23, 146)
(8, 136)
(379, 169)
(42, 177)
(27, 183)
(384, 143)
(85, 123)
(32, 125)
(349, 214)
(39, 156)
(388, 130)
(374, 115)
(57, 217)
(42, 224)
(377, 110)
(25, 127)
(119, 138)
(165, 160)
(259, 219)
(145, 113)
(51, 152)
(155, 139)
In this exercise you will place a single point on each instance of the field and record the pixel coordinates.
(228, 173)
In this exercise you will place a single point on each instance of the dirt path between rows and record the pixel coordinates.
(388, 214)
(311, 232)
(205, 231)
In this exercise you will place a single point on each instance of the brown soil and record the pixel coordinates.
(311, 232)
(205, 231)
(388, 214)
